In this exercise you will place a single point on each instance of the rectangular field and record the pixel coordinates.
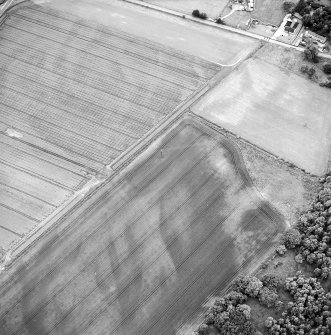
(278, 111)
(151, 245)
(73, 96)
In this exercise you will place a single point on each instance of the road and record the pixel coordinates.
(5, 6)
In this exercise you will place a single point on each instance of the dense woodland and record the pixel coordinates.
(309, 311)
(315, 16)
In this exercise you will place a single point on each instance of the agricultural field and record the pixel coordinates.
(74, 95)
(213, 8)
(208, 43)
(274, 110)
(152, 244)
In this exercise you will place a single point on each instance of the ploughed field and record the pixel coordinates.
(73, 96)
(143, 251)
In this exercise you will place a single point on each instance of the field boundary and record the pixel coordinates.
(220, 128)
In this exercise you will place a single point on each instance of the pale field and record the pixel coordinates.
(192, 38)
(278, 111)
(213, 8)
(74, 95)
(142, 253)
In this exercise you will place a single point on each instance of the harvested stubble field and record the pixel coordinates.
(279, 111)
(152, 244)
(73, 96)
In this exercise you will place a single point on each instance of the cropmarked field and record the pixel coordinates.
(281, 112)
(73, 96)
(151, 246)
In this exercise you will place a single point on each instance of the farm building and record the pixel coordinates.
(291, 24)
(315, 37)
(250, 4)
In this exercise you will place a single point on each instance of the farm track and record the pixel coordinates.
(79, 95)
(189, 166)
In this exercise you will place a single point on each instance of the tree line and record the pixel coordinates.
(309, 311)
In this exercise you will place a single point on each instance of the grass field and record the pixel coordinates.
(151, 245)
(269, 11)
(279, 111)
(74, 95)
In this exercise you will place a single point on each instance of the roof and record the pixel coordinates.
(315, 36)
(297, 15)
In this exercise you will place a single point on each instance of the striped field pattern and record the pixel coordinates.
(75, 95)
(151, 245)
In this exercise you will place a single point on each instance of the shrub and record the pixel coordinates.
(311, 72)
(327, 68)
(326, 84)
(288, 6)
(298, 258)
(281, 250)
(271, 280)
(304, 68)
(311, 54)
(292, 238)
(196, 13)
(203, 16)
(229, 316)
(219, 21)
(203, 329)
(235, 298)
(253, 287)
(268, 297)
